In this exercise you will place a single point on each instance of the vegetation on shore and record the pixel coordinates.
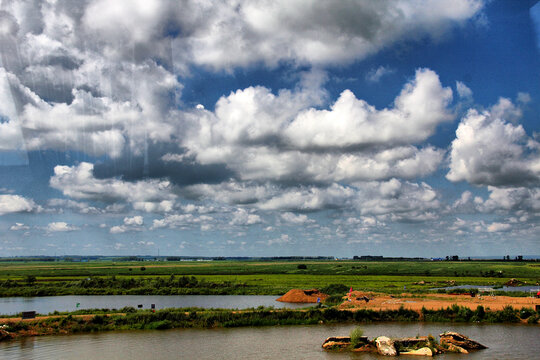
(131, 318)
(253, 277)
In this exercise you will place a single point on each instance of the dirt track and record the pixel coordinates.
(435, 301)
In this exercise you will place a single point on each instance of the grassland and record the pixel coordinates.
(252, 277)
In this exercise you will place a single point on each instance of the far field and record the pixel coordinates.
(253, 277)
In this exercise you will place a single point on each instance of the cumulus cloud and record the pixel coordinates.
(16, 204)
(511, 199)
(79, 182)
(71, 75)
(374, 75)
(19, 227)
(400, 200)
(262, 136)
(60, 226)
(316, 33)
(81, 207)
(490, 149)
(419, 108)
(498, 227)
(243, 217)
(130, 224)
(173, 221)
(297, 219)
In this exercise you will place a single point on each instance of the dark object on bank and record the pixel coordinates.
(28, 315)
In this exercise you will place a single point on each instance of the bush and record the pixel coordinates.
(525, 313)
(334, 289)
(160, 325)
(302, 266)
(333, 300)
(356, 336)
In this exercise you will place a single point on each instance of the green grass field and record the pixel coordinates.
(277, 277)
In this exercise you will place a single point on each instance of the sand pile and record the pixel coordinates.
(303, 296)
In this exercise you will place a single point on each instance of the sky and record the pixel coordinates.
(269, 128)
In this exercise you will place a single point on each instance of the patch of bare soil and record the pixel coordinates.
(433, 301)
(303, 296)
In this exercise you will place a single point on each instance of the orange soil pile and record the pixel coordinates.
(434, 301)
(303, 296)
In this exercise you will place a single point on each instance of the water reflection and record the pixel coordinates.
(48, 304)
(291, 342)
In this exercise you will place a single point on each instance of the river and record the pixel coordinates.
(48, 304)
(278, 342)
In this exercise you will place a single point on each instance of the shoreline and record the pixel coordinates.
(98, 321)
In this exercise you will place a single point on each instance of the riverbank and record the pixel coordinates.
(416, 302)
(131, 319)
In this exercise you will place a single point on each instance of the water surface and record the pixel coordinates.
(279, 342)
(48, 304)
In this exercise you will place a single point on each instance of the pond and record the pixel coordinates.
(48, 304)
(279, 342)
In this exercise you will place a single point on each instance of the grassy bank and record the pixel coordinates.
(251, 277)
(132, 319)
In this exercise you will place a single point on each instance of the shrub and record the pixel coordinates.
(160, 325)
(480, 312)
(334, 289)
(356, 336)
(525, 313)
(333, 300)
(302, 266)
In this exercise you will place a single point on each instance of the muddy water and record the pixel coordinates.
(48, 304)
(280, 342)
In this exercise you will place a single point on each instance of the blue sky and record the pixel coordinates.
(253, 128)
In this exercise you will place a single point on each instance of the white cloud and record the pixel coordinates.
(403, 200)
(262, 136)
(283, 239)
(298, 219)
(374, 75)
(60, 226)
(242, 217)
(490, 150)
(498, 227)
(463, 91)
(172, 221)
(317, 33)
(73, 71)
(511, 199)
(118, 229)
(135, 220)
(130, 224)
(81, 207)
(19, 227)
(79, 182)
(16, 204)
(419, 108)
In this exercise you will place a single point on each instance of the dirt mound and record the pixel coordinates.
(303, 296)
(514, 282)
